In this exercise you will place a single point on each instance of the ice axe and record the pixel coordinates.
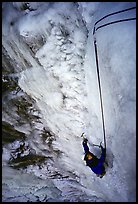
(97, 145)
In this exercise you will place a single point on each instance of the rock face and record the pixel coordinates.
(43, 93)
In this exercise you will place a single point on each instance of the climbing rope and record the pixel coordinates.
(100, 91)
(96, 57)
(111, 14)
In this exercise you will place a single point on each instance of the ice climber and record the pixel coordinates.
(96, 164)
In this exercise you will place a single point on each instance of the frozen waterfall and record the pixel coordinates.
(51, 95)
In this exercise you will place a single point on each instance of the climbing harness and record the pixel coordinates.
(96, 57)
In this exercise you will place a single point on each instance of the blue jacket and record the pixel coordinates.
(96, 165)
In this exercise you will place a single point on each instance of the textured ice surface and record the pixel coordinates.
(49, 48)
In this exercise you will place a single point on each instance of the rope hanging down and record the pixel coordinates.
(112, 14)
(98, 74)
(96, 56)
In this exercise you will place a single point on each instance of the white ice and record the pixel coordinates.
(54, 57)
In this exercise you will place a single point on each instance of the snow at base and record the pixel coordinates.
(51, 46)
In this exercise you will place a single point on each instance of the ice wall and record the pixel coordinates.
(50, 49)
(117, 65)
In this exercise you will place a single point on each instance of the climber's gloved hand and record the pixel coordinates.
(100, 146)
(82, 134)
